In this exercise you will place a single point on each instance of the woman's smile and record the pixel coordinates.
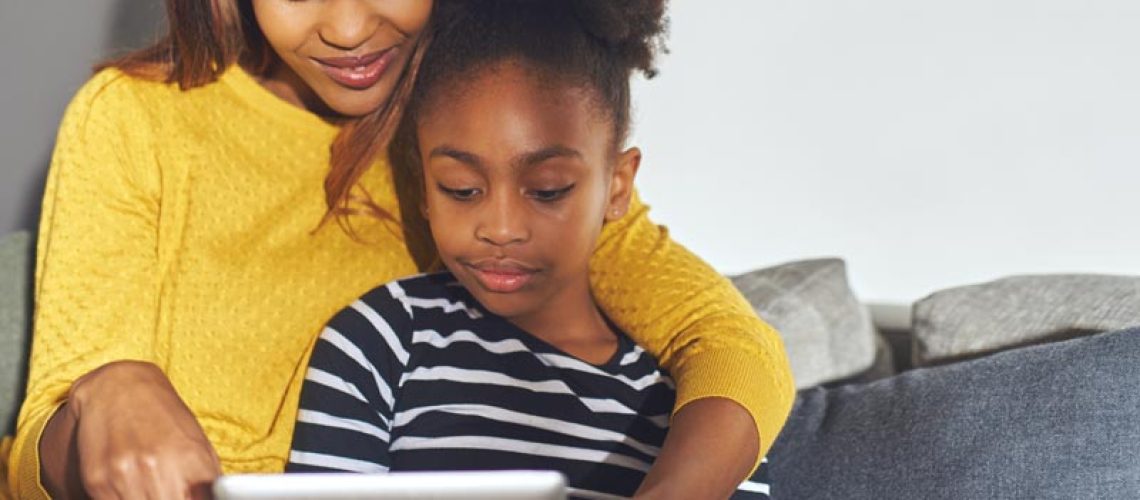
(358, 72)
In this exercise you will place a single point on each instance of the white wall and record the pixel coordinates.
(930, 143)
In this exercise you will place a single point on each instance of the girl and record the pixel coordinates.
(183, 269)
(505, 361)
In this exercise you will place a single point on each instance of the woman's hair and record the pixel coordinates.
(205, 37)
(593, 45)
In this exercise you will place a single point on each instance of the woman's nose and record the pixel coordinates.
(348, 24)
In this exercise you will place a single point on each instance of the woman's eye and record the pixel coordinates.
(461, 194)
(550, 195)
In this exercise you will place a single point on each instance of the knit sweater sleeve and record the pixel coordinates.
(693, 320)
(97, 276)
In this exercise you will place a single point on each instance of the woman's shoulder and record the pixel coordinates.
(111, 98)
(112, 87)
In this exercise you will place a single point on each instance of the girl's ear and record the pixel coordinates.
(621, 185)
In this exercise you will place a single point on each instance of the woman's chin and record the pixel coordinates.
(354, 103)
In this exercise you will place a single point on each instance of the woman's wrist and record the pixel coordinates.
(116, 375)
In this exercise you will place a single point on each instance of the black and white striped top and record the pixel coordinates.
(416, 375)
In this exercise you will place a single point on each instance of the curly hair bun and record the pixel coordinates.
(633, 29)
(595, 44)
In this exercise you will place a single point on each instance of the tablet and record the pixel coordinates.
(481, 485)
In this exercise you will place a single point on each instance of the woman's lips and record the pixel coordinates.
(502, 278)
(357, 72)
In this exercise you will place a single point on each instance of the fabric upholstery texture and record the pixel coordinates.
(967, 321)
(1050, 421)
(15, 280)
(826, 330)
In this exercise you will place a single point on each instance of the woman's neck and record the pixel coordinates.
(283, 82)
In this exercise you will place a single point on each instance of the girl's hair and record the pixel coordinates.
(205, 37)
(595, 45)
(592, 44)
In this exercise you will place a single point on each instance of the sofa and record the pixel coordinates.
(1025, 387)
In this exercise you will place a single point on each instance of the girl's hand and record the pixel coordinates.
(128, 435)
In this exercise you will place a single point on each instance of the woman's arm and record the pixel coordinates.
(699, 327)
(709, 450)
(96, 291)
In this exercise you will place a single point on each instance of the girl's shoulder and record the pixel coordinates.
(395, 310)
(414, 295)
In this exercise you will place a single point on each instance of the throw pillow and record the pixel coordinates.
(827, 332)
(1048, 421)
(978, 319)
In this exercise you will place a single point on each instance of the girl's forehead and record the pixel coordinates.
(515, 85)
(503, 114)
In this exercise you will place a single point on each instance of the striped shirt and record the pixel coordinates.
(417, 375)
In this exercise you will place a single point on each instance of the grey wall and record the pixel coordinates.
(47, 49)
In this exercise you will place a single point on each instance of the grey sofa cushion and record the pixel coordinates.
(826, 330)
(15, 304)
(971, 320)
(1050, 421)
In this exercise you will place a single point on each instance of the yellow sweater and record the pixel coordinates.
(179, 228)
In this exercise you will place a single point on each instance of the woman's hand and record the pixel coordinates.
(125, 433)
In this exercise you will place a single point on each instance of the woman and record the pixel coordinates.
(184, 269)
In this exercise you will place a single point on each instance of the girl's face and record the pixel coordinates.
(339, 56)
(519, 177)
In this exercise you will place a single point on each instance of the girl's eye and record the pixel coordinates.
(550, 195)
(461, 194)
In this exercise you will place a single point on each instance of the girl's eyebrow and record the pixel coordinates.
(538, 156)
(457, 155)
(519, 162)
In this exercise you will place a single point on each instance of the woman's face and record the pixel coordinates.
(339, 57)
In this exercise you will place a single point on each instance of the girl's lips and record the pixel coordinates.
(357, 73)
(502, 279)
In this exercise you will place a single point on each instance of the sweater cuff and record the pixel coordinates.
(24, 462)
(745, 378)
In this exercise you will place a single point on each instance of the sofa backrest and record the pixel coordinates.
(15, 324)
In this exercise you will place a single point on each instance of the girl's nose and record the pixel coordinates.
(348, 24)
(503, 222)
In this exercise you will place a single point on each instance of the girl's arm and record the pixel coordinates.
(96, 297)
(700, 328)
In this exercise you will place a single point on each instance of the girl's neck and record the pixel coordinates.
(572, 322)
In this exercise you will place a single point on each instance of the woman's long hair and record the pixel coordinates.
(205, 37)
